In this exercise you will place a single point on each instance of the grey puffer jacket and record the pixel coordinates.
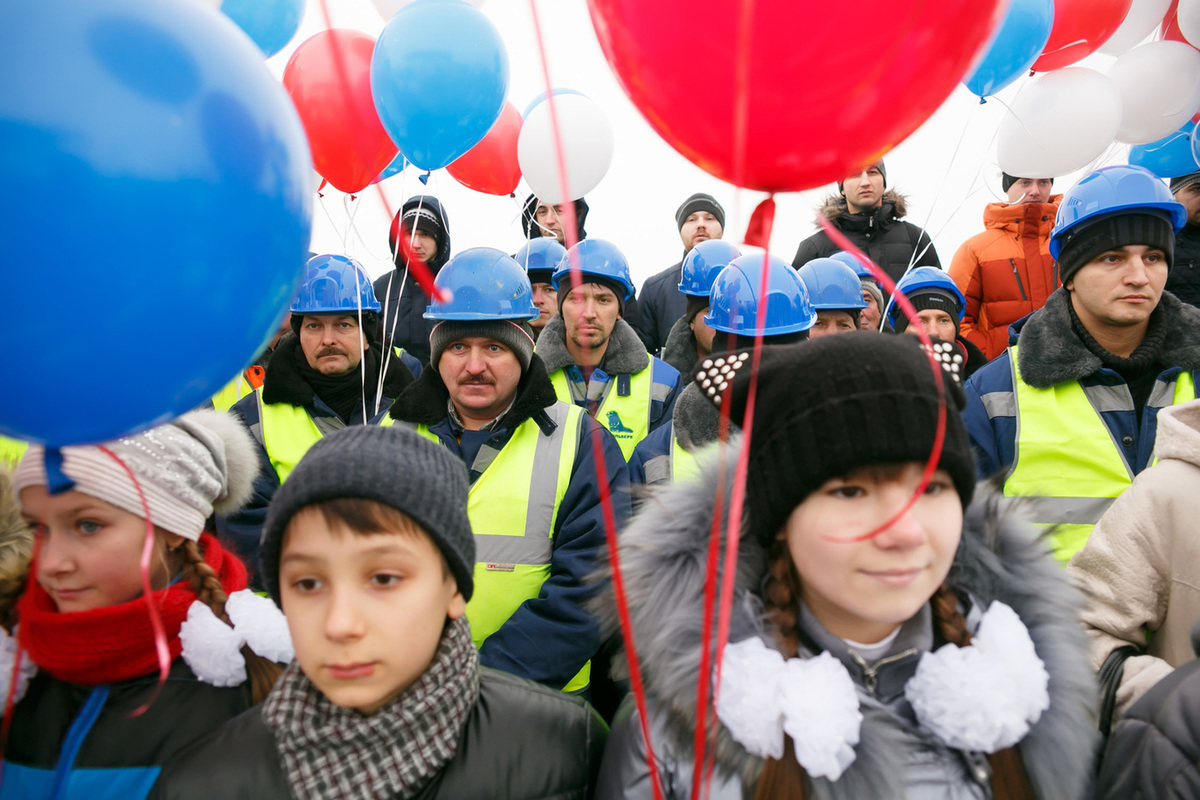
(663, 553)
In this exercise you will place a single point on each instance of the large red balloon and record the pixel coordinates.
(491, 166)
(1169, 28)
(1080, 27)
(825, 87)
(349, 145)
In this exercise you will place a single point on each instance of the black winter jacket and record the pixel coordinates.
(1184, 280)
(400, 297)
(659, 307)
(520, 741)
(881, 233)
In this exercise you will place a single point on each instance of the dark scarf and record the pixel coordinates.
(114, 643)
(343, 393)
(328, 751)
(1141, 368)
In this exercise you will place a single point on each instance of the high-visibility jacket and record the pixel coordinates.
(513, 507)
(677, 465)
(242, 386)
(11, 451)
(1066, 459)
(626, 412)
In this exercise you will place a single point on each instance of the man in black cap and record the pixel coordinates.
(1184, 280)
(424, 224)
(699, 219)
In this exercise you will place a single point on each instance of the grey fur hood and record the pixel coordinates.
(663, 553)
(1049, 352)
(680, 348)
(625, 354)
(835, 204)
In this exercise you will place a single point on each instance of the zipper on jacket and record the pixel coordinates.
(1017, 275)
(870, 678)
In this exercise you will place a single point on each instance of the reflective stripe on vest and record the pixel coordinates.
(287, 433)
(513, 506)
(231, 392)
(627, 418)
(678, 464)
(1066, 459)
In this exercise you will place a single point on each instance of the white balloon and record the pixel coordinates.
(1061, 122)
(1188, 14)
(1159, 84)
(1143, 17)
(388, 8)
(587, 145)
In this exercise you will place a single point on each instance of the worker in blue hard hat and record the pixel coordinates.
(539, 258)
(871, 316)
(940, 306)
(836, 295)
(690, 338)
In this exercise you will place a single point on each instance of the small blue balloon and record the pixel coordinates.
(1169, 157)
(556, 91)
(158, 200)
(439, 76)
(395, 168)
(270, 23)
(1017, 44)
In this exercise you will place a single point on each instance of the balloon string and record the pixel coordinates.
(156, 623)
(916, 327)
(917, 256)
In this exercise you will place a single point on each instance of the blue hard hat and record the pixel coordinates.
(860, 269)
(332, 285)
(1108, 190)
(920, 278)
(598, 258)
(832, 285)
(540, 255)
(701, 265)
(483, 283)
(733, 303)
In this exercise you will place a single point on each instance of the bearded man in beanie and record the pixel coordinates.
(424, 225)
(699, 219)
(535, 492)
(1184, 280)
(871, 216)
(1068, 415)
(1007, 272)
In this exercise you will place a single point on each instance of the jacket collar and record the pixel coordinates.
(283, 382)
(1038, 217)
(695, 421)
(893, 206)
(625, 355)
(680, 348)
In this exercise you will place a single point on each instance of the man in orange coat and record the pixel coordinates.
(1006, 272)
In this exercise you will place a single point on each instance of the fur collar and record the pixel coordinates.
(663, 554)
(680, 349)
(283, 382)
(424, 402)
(695, 420)
(1051, 353)
(625, 354)
(835, 205)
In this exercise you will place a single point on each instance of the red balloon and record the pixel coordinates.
(1169, 29)
(860, 78)
(491, 166)
(349, 145)
(1080, 27)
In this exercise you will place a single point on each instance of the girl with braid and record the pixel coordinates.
(92, 716)
(888, 637)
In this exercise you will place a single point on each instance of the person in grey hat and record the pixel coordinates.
(1184, 279)
(661, 304)
(368, 550)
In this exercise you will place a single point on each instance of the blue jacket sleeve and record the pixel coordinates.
(551, 637)
(242, 530)
(666, 389)
(990, 417)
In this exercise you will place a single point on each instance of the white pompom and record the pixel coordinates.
(211, 648)
(25, 672)
(260, 622)
(748, 703)
(820, 710)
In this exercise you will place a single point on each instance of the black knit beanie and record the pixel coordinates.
(515, 334)
(1006, 180)
(693, 305)
(1112, 231)
(925, 299)
(831, 405)
(882, 171)
(393, 466)
(564, 289)
(699, 202)
(1184, 181)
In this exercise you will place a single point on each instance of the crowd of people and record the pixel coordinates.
(385, 563)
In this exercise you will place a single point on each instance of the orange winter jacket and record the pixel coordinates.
(1005, 272)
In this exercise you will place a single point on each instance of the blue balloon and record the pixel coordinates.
(439, 76)
(270, 23)
(1017, 44)
(158, 203)
(395, 168)
(1170, 156)
(556, 91)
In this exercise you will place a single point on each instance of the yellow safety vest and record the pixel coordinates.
(1066, 459)
(233, 391)
(11, 451)
(676, 465)
(626, 418)
(513, 506)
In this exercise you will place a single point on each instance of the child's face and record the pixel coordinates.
(862, 590)
(89, 554)
(366, 612)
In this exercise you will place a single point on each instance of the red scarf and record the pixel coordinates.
(115, 643)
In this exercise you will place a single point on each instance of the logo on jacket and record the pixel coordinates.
(616, 427)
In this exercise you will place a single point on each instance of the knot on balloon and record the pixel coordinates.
(758, 232)
(424, 179)
(982, 100)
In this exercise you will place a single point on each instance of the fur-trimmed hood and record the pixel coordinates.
(625, 354)
(894, 206)
(663, 555)
(680, 348)
(16, 547)
(695, 420)
(1051, 353)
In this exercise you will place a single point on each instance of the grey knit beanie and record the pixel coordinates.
(517, 336)
(393, 466)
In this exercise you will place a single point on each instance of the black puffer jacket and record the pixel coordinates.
(402, 301)
(881, 233)
(521, 741)
(1184, 280)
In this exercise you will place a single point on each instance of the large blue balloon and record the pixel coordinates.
(157, 205)
(1169, 157)
(1018, 43)
(439, 76)
(270, 23)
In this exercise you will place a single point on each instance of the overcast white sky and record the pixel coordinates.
(947, 168)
